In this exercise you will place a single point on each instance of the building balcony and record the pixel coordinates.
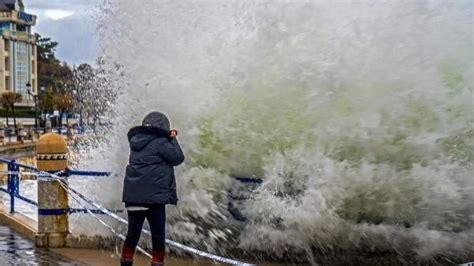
(18, 35)
(18, 17)
(25, 36)
(6, 33)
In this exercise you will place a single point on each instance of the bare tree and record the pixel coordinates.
(83, 77)
(64, 103)
(92, 94)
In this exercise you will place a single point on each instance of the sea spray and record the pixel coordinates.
(357, 116)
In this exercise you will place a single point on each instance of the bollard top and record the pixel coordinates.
(51, 143)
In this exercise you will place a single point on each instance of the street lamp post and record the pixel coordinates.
(35, 98)
(28, 85)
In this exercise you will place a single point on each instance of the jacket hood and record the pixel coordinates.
(140, 136)
(157, 119)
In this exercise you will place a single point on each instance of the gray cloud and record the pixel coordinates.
(76, 38)
(75, 34)
(62, 4)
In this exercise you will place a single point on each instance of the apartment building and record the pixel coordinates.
(18, 55)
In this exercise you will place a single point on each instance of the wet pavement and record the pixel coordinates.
(17, 250)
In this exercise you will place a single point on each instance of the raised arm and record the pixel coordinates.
(171, 152)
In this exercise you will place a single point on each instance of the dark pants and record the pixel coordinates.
(156, 216)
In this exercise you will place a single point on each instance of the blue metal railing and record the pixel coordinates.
(13, 189)
(13, 184)
(69, 171)
(248, 180)
(25, 16)
(88, 173)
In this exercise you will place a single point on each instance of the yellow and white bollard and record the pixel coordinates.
(48, 127)
(69, 132)
(20, 133)
(37, 134)
(53, 205)
(31, 135)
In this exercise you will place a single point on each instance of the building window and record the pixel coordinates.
(5, 25)
(22, 67)
(7, 64)
(7, 84)
(21, 28)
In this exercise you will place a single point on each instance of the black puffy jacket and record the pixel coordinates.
(149, 177)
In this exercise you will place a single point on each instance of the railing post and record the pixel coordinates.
(48, 128)
(31, 134)
(53, 206)
(16, 177)
(13, 184)
(69, 130)
(37, 134)
(20, 133)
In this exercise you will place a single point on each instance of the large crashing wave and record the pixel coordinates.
(358, 117)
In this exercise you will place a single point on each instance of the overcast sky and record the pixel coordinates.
(71, 24)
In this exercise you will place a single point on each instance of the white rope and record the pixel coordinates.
(170, 242)
(102, 222)
(42, 175)
(18, 173)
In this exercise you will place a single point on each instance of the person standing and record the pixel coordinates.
(149, 183)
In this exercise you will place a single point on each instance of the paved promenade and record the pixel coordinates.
(17, 250)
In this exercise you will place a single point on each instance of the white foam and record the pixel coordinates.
(357, 115)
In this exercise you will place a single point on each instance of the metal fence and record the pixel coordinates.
(13, 189)
(13, 184)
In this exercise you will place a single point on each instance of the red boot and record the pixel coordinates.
(127, 256)
(158, 258)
